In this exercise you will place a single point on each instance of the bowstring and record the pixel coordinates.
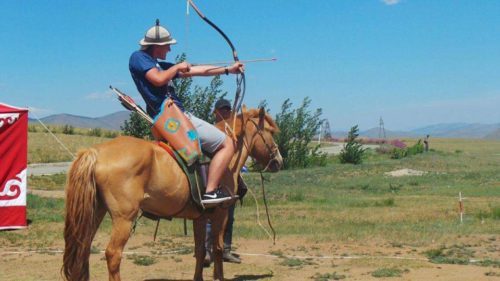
(186, 31)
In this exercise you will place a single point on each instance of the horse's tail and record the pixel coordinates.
(81, 220)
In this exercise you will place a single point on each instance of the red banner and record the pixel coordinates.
(13, 166)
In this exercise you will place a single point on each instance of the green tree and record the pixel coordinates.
(297, 128)
(137, 127)
(200, 100)
(353, 150)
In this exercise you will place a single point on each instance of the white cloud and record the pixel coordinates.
(391, 2)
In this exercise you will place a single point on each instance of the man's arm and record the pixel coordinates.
(162, 77)
(211, 70)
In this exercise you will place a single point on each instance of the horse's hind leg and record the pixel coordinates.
(119, 237)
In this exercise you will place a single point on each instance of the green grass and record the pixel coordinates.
(46, 217)
(296, 263)
(458, 254)
(43, 148)
(48, 182)
(388, 272)
(142, 260)
(328, 276)
(342, 202)
(358, 201)
(42, 209)
(453, 255)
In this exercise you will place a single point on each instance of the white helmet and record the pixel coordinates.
(157, 35)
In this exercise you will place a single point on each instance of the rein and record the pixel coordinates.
(272, 153)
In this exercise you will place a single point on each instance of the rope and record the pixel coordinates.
(258, 217)
(267, 209)
(40, 121)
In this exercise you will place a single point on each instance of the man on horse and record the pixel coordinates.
(153, 79)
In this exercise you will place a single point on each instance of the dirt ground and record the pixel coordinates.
(292, 258)
(289, 259)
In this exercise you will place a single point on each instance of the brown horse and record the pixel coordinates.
(127, 174)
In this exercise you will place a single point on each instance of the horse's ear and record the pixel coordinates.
(262, 115)
(243, 108)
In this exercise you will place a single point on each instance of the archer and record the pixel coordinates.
(153, 79)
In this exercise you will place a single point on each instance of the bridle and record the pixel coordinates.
(271, 149)
(273, 156)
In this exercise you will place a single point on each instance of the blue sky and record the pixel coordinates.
(411, 62)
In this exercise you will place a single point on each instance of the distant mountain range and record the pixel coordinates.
(111, 121)
(446, 130)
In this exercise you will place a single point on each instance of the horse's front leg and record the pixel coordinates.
(219, 220)
(199, 226)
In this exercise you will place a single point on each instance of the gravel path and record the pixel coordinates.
(48, 168)
(336, 147)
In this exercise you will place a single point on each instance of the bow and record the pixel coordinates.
(240, 78)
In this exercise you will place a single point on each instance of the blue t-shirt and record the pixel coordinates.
(141, 62)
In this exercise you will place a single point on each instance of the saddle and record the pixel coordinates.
(196, 173)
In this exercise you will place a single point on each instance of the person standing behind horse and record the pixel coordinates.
(222, 111)
(153, 79)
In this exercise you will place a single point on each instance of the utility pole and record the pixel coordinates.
(381, 129)
(319, 135)
(327, 134)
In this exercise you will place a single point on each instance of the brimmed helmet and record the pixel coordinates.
(157, 35)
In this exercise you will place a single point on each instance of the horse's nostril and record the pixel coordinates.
(274, 166)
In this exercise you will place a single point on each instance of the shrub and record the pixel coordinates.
(415, 149)
(398, 153)
(297, 128)
(68, 130)
(353, 151)
(401, 152)
(97, 132)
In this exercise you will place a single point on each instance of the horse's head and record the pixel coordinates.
(259, 129)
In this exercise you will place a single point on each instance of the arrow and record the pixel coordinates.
(130, 104)
(242, 61)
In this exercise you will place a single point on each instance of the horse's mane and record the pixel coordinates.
(245, 115)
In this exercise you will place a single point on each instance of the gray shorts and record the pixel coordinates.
(211, 138)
